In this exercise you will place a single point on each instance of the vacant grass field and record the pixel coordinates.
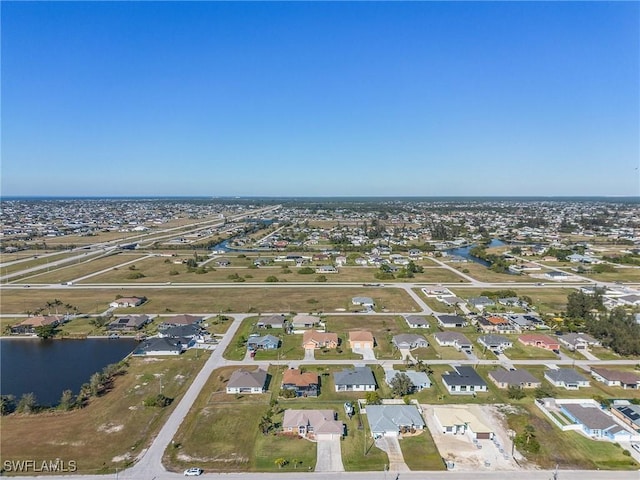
(483, 274)
(546, 300)
(81, 268)
(628, 274)
(207, 299)
(113, 429)
(34, 262)
(526, 352)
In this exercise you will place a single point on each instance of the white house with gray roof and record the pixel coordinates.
(244, 381)
(357, 379)
(495, 342)
(566, 378)
(409, 341)
(513, 378)
(577, 341)
(453, 339)
(364, 301)
(451, 321)
(390, 420)
(416, 321)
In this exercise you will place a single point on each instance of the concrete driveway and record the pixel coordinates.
(367, 353)
(391, 445)
(309, 354)
(329, 454)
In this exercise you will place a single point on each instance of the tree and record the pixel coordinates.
(271, 279)
(45, 331)
(67, 401)
(266, 424)
(515, 392)
(401, 385)
(27, 403)
(281, 462)
(7, 404)
(96, 383)
(372, 398)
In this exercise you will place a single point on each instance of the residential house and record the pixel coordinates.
(566, 378)
(416, 321)
(462, 420)
(29, 325)
(157, 346)
(265, 342)
(312, 339)
(453, 339)
(577, 341)
(513, 378)
(451, 321)
(272, 321)
(594, 422)
(539, 340)
(358, 379)
(312, 423)
(180, 320)
(409, 341)
(129, 323)
(322, 269)
(495, 324)
(305, 384)
(629, 414)
(182, 331)
(125, 302)
(364, 301)
(359, 339)
(304, 321)
(616, 378)
(419, 380)
(244, 381)
(463, 381)
(481, 302)
(495, 342)
(392, 420)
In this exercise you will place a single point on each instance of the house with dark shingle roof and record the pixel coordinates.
(616, 378)
(463, 381)
(180, 320)
(129, 323)
(495, 342)
(272, 321)
(161, 346)
(451, 321)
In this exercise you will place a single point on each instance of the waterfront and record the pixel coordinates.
(465, 252)
(48, 367)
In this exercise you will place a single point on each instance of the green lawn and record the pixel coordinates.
(420, 452)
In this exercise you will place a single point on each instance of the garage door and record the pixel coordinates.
(483, 436)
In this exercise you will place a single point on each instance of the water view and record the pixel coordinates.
(48, 367)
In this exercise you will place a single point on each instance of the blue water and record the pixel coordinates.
(48, 367)
(464, 252)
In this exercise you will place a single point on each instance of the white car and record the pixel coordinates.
(193, 472)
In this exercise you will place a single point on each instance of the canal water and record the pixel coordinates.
(464, 252)
(48, 367)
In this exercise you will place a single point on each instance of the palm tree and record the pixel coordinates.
(529, 432)
(281, 462)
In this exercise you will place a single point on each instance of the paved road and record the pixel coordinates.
(150, 464)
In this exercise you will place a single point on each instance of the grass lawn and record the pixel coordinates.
(628, 274)
(113, 429)
(526, 352)
(33, 262)
(420, 452)
(207, 299)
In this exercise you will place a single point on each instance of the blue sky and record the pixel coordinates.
(364, 98)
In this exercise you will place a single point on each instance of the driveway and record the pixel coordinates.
(367, 353)
(405, 352)
(329, 454)
(309, 354)
(391, 445)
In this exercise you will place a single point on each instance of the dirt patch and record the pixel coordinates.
(188, 458)
(121, 458)
(483, 454)
(110, 428)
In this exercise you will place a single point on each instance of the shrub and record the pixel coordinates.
(135, 275)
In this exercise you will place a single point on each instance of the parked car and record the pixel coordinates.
(193, 472)
(636, 446)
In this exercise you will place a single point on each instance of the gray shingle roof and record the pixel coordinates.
(389, 418)
(463, 376)
(355, 376)
(565, 375)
